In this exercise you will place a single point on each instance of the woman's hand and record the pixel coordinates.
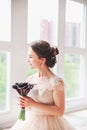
(25, 102)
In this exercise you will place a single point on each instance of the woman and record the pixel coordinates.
(46, 101)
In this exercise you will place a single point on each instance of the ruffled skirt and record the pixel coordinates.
(39, 121)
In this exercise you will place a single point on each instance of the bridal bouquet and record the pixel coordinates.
(23, 89)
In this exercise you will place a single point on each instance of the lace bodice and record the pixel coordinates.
(43, 89)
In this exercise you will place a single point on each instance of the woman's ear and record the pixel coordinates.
(43, 60)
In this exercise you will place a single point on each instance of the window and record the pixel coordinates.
(73, 51)
(42, 20)
(74, 75)
(74, 39)
(74, 24)
(4, 80)
(5, 37)
(75, 56)
(5, 20)
(13, 39)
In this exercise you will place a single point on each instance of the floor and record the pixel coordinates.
(78, 119)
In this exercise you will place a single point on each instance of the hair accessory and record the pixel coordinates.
(56, 51)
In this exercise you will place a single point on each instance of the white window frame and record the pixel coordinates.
(80, 103)
(17, 48)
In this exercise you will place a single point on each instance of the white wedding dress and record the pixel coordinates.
(36, 119)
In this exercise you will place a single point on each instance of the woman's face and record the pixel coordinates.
(33, 60)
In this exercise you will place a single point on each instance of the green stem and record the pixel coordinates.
(22, 114)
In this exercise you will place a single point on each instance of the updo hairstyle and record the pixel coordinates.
(44, 50)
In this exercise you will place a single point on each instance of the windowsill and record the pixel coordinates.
(78, 119)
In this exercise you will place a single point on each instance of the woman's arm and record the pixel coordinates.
(56, 109)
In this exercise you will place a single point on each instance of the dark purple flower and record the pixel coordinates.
(23, 89)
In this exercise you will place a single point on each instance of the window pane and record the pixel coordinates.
(74, 75)
(5, 20)
(4, 80)
(74, 24)
(42, 20)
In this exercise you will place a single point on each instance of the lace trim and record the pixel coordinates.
(53, 82)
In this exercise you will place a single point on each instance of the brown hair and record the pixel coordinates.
(44, 50)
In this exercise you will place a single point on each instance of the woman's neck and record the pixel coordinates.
(45, 73)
